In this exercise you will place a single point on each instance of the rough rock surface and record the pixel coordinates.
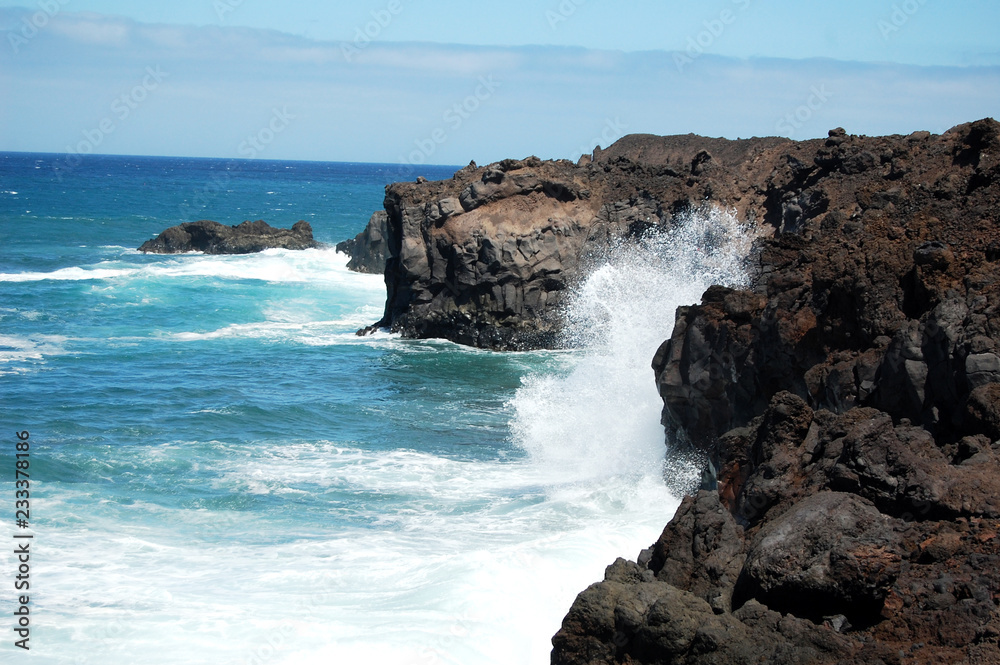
(215, 238)
(486, 258)
(368, 250)
(848, 406)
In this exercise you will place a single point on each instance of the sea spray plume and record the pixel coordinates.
(602, 415)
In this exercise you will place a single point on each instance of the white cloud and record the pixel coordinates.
(223, 83)
(92, 29)
(433, 59)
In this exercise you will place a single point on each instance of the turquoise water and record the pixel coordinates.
(222, 472)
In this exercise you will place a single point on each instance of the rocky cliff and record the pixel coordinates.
(485, 258)
(848, 406)
(215, 238)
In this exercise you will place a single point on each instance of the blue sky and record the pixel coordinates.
(446, 82)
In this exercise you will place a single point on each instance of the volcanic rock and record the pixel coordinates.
(848, 407)
(486, 258)
(369, 249)
(215, 238)
(846, 403)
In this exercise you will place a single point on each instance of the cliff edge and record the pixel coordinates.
(848, 409)
(485, 258)
(846, 405)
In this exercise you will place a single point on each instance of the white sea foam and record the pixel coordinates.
(602, 416)
(74, 274)
(17, 350)
(322, 266)
(447, 561)
(309, 332)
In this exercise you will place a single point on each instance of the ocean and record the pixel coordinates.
(221, 471)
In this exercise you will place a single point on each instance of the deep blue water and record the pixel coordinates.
(223, 472)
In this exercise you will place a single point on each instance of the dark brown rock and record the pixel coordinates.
(885, 313)
(368, 250)
(214, 238)
(701, 551)
(829, 554)
(984, 410)
(631, 617)
(849, 405)
(865, 243)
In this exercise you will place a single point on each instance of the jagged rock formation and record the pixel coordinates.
(369, 249)
(485, 258)
(214, 238)
(849, 406)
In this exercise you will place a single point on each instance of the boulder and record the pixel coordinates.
(830, 554)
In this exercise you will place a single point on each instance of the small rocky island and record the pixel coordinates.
(215, 238)
(847, 403)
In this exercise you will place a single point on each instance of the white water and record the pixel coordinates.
(273, 265)
(603, 418)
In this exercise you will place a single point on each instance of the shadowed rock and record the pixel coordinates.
(214, 238)
(368, 250)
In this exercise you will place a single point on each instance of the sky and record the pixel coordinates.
(415, 81)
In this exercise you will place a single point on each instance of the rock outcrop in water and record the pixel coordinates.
(368, 250)
(215, 238)
(849, 408)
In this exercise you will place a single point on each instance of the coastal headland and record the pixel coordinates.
(846, 405)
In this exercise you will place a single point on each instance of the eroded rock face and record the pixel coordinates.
(487, 257)
(484, 259)
(214, 238)
(369, 249)
(899, 492)
(887, 299)
(849, 406)
(798, 569)
(635, 617)
(830, 553)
